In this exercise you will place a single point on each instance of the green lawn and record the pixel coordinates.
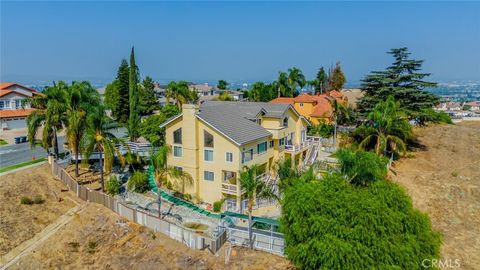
(19, 165)
(3, 142)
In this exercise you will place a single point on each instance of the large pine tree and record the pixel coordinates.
(134, 117)
(403, 81)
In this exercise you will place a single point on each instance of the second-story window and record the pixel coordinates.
(177, 151)
(2, 104)
(301, 104)
(208, 155)
(229, 157)
(207, 139)
(177, 136)
(272, 143)
(247, 155)
(285, 122)
(262, 147)
(18, 103)
(281, 142)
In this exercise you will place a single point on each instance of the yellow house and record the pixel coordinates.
(215, 141)
(316, 108)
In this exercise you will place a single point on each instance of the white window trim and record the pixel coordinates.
(226, 157)
(249, 150)
(213, 154)
(173, 154)
(213, 174)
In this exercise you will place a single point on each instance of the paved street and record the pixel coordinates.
(18, 153)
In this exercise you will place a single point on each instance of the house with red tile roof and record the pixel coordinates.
(14, 107)
(316, 108)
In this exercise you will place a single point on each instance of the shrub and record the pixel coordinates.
(331, 224)
(26, 200)
(217, 206)
(430, 115)
(38, 199)
(361, 167)
(113, 185)
(322, 130)
(138, 182)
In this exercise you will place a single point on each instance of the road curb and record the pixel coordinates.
(24, 167)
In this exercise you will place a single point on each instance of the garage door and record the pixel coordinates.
(14, 123)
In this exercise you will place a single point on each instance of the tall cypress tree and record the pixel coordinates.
(321, 81)
(117, 94)
(134, 118)
(403, 81)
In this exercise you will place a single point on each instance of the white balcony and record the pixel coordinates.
(295, 148)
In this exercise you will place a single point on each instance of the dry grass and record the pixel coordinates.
(100, 239)
(20, 222)
(97, 238)
(444, 181)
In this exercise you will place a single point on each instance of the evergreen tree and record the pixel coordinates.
(337, 78)
(117, 94)
(222, 84)
(134, 118)
(402, 80)
(321, 81)
(147, 102)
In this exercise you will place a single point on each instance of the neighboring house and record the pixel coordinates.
(14, 107)
(236, 96)
(215, 141)
(316, 108)
(202, 89)
(449, 106)
(474, 105)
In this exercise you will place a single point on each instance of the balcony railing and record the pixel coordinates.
(229, 188)
(301, 146)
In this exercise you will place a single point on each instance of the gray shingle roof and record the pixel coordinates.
(231, 118)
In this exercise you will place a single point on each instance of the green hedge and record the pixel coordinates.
(331, 224)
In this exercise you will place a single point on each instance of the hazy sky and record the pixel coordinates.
(237, 41)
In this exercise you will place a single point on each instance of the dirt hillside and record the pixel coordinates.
(443, 178)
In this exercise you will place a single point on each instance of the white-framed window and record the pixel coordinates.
(177, 151)
(229, 157)
(247, 155)
(261, 148)
(2, 104)
(285, 122)
(209, 176)
(208, 155)
(18, 103)
(281, 142)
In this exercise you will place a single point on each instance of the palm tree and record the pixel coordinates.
(295, 79)
(50, 114)
(181, 93)
(254, 188)
(282, 84)
(81, 98)
(97, 138)
(161, 170)
(391, 128)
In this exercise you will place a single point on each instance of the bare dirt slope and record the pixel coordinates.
(98, 239)
(20, 222)
(444, 180)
